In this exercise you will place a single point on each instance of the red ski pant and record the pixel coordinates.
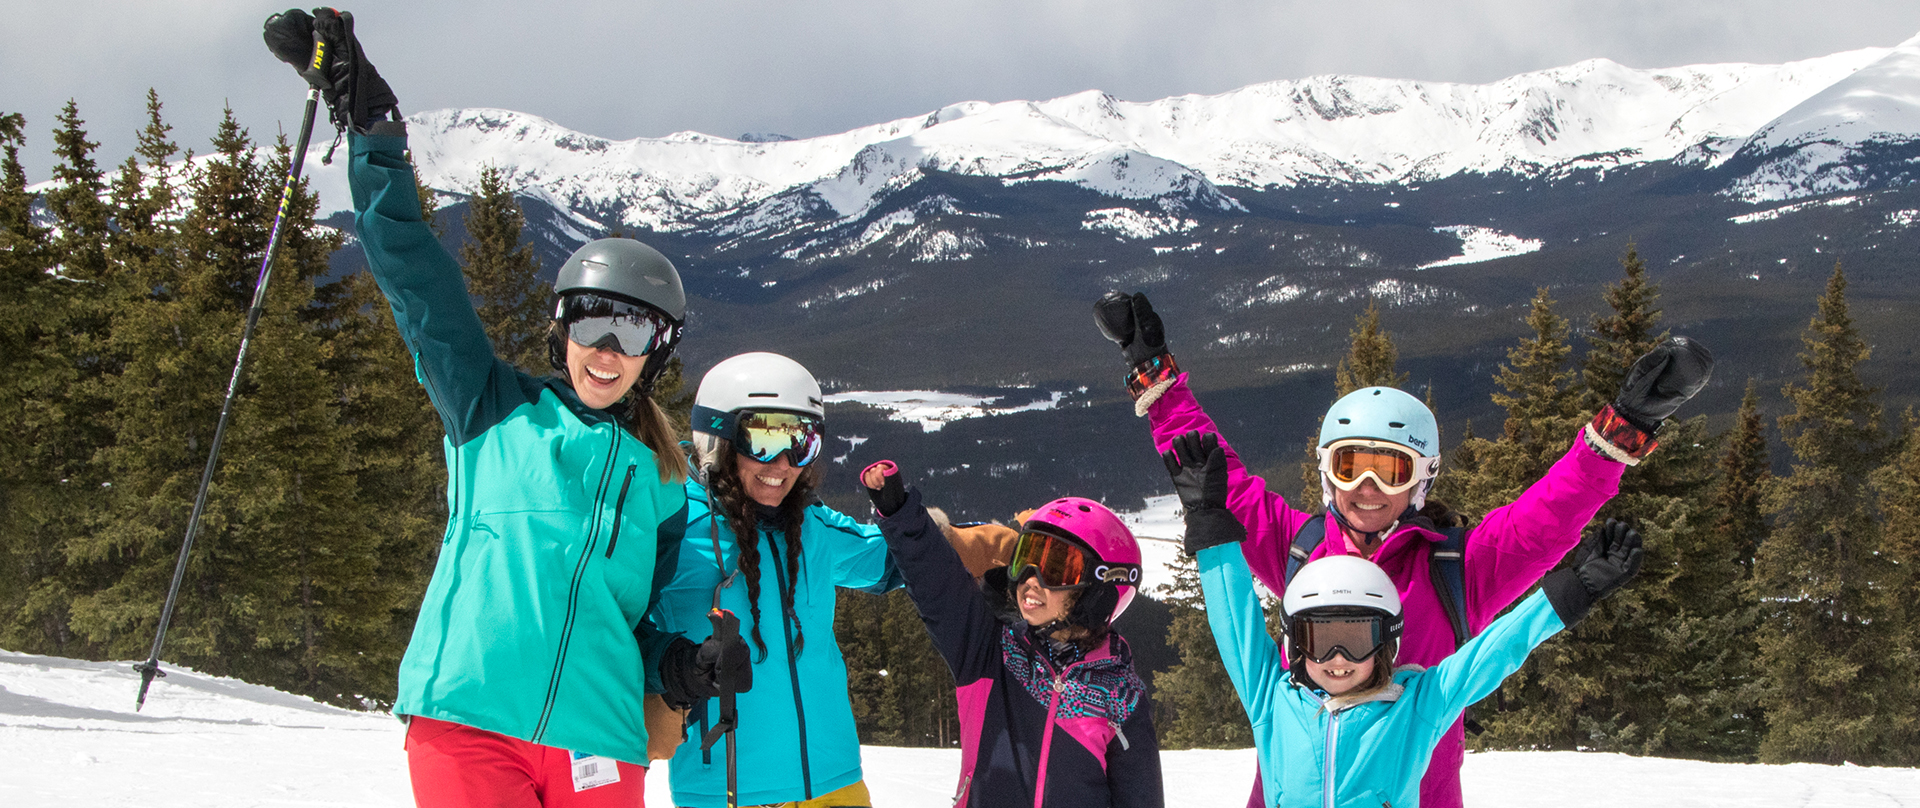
(457, 766)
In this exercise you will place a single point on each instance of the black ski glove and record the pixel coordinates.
(891, 495)
(1656, 386)
(1662, 380)
(694, 672)
(1199, 469)
(322, 47)
(1601, 565)
(1129, 320)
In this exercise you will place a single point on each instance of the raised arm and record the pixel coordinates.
(1162, 394)
(964, 630)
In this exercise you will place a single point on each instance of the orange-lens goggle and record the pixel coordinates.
(1062, 563)
(1394, 468)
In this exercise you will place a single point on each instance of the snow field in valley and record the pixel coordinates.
(69, 736)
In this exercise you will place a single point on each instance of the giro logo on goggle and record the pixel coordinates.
(1116, 575)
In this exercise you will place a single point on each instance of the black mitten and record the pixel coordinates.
(332, 62)
(1662, 380)
(1199, 469)
(1601, 565)
(1129, 320)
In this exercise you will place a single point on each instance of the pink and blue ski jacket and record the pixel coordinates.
(1032, 733)
(1317, 752)
(1507, 552)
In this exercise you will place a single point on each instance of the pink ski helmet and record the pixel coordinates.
(1113, 555)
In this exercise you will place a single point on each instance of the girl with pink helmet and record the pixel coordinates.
(1052, 712)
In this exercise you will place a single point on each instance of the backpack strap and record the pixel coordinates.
(1448, 565)
(1304, 543)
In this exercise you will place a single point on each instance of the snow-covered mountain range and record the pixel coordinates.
(1797, 123)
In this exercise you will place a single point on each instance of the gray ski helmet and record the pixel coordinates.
(625, 268)
(621, 268)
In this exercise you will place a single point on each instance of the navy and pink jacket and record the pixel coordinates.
(1507, 552)
(1033, 732)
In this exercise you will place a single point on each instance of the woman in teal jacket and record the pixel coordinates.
(523, 681)
(1341, 727)
(758, 544)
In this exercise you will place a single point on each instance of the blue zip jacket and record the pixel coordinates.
(556, 516)
(796, 739)
(1366, 755)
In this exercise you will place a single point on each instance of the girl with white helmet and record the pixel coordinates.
(1052, 712)
(523, 683)
(760, 546)
(1334, 722)
(1379, 451)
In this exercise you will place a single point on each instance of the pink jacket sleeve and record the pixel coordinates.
(1516, 543)
(1270, 521)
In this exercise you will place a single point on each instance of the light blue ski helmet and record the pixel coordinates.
(1383, 414)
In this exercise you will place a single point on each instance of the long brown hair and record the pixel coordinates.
(730, 499)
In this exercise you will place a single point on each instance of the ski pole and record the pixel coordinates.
(726, 627)
(151, 668)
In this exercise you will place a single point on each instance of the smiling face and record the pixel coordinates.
(1040, 605)
(1340, 675)
(1368, 509)
(600, 376)
(767, 483)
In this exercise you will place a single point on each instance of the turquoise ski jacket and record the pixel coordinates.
(1319, 753)
(556, 515)
(796, 739)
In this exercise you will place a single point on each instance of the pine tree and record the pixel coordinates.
(1896, 488)
(504, 277)
(901, 690)
(1543, 414)
(1622, 335)
(1195, 706)
(1828, 643)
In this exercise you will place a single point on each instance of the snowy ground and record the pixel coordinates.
(69, 736)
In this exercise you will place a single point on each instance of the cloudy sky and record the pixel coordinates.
(643, 68)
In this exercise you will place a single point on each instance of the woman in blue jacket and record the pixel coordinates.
(760, 546)
(1341, 727)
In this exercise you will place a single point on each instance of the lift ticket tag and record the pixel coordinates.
(591, 771)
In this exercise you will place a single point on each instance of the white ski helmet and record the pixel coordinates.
(750, 381)
(1343, 581)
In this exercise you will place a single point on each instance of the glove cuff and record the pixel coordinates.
(1570, 598)
(1211, 527)
(1616, 438)
(1149, 373)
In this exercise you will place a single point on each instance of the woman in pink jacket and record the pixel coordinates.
(1379, 452)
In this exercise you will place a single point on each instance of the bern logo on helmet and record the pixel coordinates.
(1417, 442)
(1116, 575)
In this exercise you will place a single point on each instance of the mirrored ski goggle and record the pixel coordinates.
(765, 435)
(617, 325)
(1394, 468)
(1062, 563)
(1357, 637)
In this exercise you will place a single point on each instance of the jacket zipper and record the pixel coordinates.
(573, 589)
(1046, 739)
(620, 506)
(793, 669)
(966, 780)
(1333, 748)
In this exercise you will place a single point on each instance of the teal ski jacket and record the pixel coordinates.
(1318, 752)
(796, 739)
(556, 514)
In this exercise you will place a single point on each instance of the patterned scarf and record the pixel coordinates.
(1104, 687)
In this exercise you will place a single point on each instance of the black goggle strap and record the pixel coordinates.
(719, 423)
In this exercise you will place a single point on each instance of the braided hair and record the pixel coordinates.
(743, 514)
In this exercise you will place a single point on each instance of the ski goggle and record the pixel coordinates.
(617, 325)
(1357, 637)
(1062, 563)
(1393, 467)
(765, 435)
